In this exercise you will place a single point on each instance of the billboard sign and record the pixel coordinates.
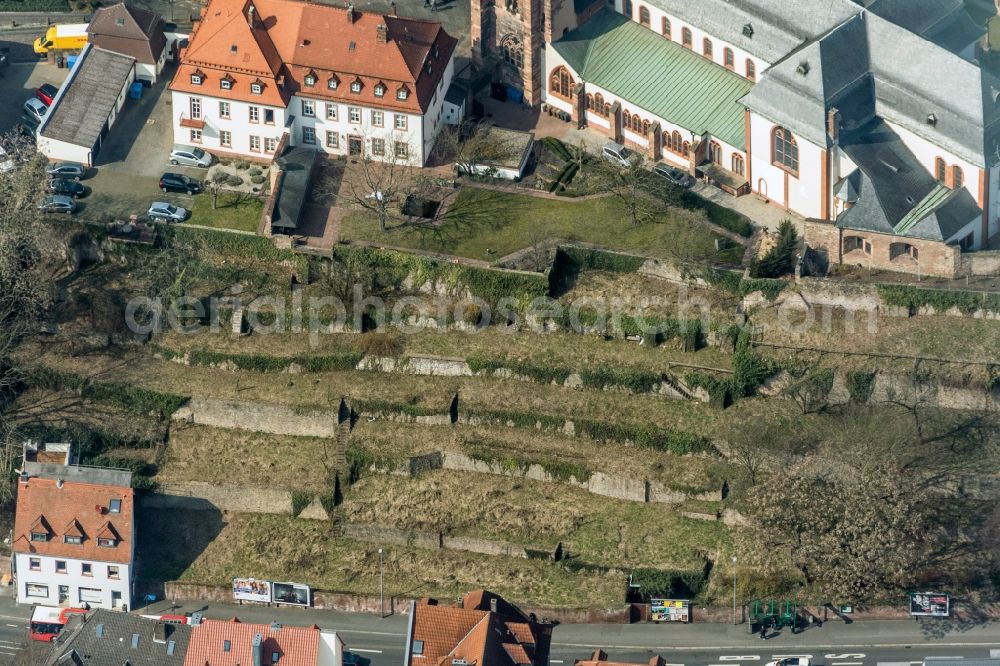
(669, 610)
(251, 589)
(291, 593)
(930, 604)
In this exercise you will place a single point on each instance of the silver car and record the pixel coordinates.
(68, 170)
(190, 156)
(161, 211)
(35, 109)
(58, 203)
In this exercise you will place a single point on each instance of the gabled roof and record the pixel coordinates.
(224, 39)
(296, 646)
(42, 501)
(74, 529)
(82, 644)
(896, 194)
(869, 65)
(476, 633)
(130, 30)
(623, 57)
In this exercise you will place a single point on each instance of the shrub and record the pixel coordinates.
(557, 147)
(728, 218)
(300, 500)
(234, 181)
(780, 259)
(668, 583)
(241, 165)
(768, 286)
(255, 171)
(914, 298)
(257, 180)
(542, 373)
(719, 389)
(472, 314)
(382, 344)
(749, 368)
(860, 386)
(219, 176)
(636, 381)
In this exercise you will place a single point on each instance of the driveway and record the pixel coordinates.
(18, 83)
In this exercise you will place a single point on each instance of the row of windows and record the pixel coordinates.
(86, 595)
(333, 83)
(226, 141)
(86, 568)
(354, 113)
(952, 177)
(687, 40)
(896, 250)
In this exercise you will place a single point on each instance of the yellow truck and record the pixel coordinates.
(65, 37)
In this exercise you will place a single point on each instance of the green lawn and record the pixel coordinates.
(234, 211)
(485, 224)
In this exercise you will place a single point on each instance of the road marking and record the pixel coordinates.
(791, 656)
(719, 648)
(847, 663)
(13, 654)
(932, 658)
(752, 657)
(844, 656)
(354, 649)
(13, 625)
(370, 633)
(555, 661)
(10, 643)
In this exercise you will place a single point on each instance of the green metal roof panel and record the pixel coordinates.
(657, 75)
(934, 199)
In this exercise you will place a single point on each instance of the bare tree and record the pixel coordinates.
(630, 185)
(473, 146)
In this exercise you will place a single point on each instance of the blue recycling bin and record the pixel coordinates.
(135, 90)
(71, 60)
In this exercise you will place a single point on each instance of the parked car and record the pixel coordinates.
(27, 130)
(35, 109)
(178, 182)
(46, 93)
(161, 211)
(58, 203)
(351, 659)
(790, 661)
(619, 155)
(70, 188)
(672, 174)
(71, 170)
(190, 156)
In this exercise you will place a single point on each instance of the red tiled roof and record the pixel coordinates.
(291, 39)
(296, 646)
(75, 507)
(191, 122)
(479, 636)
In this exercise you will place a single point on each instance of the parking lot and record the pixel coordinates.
(18, 83)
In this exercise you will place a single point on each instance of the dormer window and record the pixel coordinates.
(115, 506)
(73, 534)
(39, 536)
(310, 79)
(196, 79)
(72, 540)
(356, 86)
(402, 93)
(332, 83)
(40, 530)
(256, 88)
(380, 90)
(107, 543)
(226, 82)
(108, 536)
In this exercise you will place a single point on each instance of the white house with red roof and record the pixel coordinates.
(345, 81)
(74, 536)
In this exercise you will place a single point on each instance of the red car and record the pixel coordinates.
(46, 93)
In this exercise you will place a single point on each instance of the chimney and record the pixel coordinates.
(258, 650)
(392, 8)
(833, 125)
(493, 604)
(351, 17)
(382, 33)
(250, 12)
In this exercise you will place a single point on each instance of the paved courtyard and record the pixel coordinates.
(18, 83)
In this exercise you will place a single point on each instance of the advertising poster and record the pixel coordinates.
(250, 589)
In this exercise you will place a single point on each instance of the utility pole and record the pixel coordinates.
(381, 586)
(734, 589)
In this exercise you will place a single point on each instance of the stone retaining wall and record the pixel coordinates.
(274, 419)
(430, 540)
(196, 495)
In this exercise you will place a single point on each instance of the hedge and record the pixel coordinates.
(770, 287)
(644, 436)
(489, 284)
(860, 386)
(719, 389)
(570, 261)
(265, 363)
(300, 500)
(669, 583)
(541, 373)
(637, 381)
(557, 147)
(387, 408)
(124, 396)
(559, 470)
(914, 298)
(519, 419)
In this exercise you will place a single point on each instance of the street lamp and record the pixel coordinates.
(381, 587)
(734, 589)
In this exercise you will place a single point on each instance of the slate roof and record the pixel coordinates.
(870, 66)
(130, 30)
(81, 645)
(475, 633)
(79, 113)
(296, 165)
(456, 94)
(624, 58)
(296, 646)
(42, 501)
(896, 194)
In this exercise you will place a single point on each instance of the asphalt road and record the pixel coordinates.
(381, 641)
